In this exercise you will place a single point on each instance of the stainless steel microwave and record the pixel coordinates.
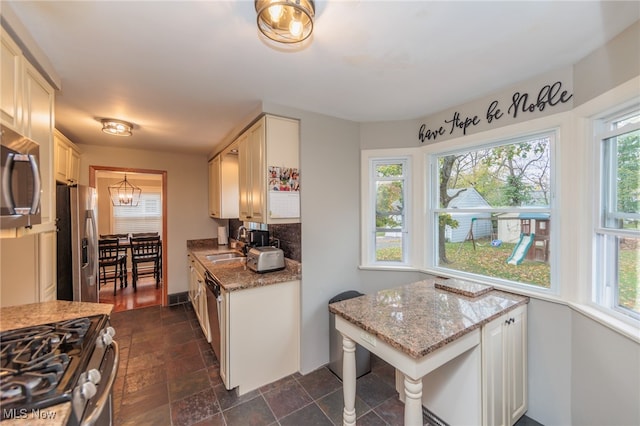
(21, 184)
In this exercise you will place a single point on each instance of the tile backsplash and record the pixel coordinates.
(289, 235)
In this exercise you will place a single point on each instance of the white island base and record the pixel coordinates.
(451, 379)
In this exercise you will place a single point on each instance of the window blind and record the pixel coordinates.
(145, 217)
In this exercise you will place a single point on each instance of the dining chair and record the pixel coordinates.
(146, 258)
(111, 262)
(144, 234)
(123, 248)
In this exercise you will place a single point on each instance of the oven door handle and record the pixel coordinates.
(103, 402)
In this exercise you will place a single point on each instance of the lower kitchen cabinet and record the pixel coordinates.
(260, 329)
(504, 368)
(27, 269)
(198, 295)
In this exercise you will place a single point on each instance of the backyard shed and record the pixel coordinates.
(468, 198)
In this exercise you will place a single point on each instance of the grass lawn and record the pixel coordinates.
(492, 261)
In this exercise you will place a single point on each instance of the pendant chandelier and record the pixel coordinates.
(124, 193)
(285, 21)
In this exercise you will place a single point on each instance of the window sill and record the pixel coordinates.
(403, 268)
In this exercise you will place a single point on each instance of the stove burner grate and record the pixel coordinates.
(33, 360)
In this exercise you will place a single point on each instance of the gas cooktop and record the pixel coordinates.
(40, 365)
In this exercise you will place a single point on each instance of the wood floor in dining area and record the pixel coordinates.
(126, 299)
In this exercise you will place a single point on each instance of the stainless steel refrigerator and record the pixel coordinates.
(77, 243)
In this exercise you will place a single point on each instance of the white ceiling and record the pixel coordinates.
(188, 72)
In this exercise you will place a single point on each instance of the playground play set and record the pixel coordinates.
(533, 243)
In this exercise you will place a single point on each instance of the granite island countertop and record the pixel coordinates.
(236, 276)
(419, 318)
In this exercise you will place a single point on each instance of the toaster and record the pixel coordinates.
(265, 259)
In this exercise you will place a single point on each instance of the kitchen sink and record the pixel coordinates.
(237, 259)
(226, 257)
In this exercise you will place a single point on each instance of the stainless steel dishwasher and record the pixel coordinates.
(214, 301)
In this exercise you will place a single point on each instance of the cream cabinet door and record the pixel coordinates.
(47, 261)
(19, 270)
(257, 176)
(74, 166)
(38, 108)
(244, 178)
(66, 160)
(214, 187)
(504, 368)
(10, 82)
(38, 125)
(62, 155)
(252, 174)
(516, 352)
(493, 370)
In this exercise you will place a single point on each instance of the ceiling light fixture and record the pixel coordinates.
(116, 127)
(285, 21)
(124, 193)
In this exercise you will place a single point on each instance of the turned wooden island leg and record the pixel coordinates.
(349, 381)
(412, 401)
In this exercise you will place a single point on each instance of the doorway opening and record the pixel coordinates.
(149, 216)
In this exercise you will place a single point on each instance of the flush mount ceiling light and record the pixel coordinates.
(116, 127)
(285, 21)
(124, 193)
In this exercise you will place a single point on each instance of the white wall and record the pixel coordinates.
(187, 198)
(605, 375)
(549, 362)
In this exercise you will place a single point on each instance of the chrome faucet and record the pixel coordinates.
(242, 233)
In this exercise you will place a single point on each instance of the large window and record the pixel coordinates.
(389, 189)
(617, 254)
(145, 217)
(491, 211)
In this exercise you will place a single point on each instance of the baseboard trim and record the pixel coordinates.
(178, 298)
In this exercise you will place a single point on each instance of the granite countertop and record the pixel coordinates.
(419, 318)
(19, 316)
(236, 276)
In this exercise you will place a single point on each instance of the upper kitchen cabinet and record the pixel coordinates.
(11, 83)
(269, 171)
(223, 184)
(27, 106)
(67, 160)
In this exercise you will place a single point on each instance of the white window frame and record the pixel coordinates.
(432, 202)
(369, 163)
(604, 289)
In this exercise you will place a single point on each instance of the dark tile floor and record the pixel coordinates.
(168, 375)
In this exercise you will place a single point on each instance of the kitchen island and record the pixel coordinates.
(20, 316)
(419, 328)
